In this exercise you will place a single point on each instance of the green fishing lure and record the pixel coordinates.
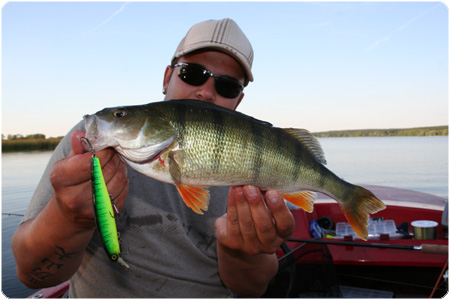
(104, 212)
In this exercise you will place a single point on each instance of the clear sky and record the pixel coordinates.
(320, 66)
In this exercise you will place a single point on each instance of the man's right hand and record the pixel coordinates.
(71, 177)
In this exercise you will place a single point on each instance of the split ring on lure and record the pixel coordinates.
(104, 213)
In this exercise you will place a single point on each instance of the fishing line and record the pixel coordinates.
(384, 280)
(13, 214)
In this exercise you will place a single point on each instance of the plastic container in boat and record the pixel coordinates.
(375, 229)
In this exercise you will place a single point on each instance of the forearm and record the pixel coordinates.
(49, 249)
(244, 274)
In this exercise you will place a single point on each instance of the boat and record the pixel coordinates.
(58, 291)
(389, 264)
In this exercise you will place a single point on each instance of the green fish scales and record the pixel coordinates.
(218, 147)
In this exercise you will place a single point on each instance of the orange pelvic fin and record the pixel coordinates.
(197, 198)
(358, 210)
(303, 199)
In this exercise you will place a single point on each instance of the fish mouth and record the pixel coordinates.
(98, 133)
(91, 125)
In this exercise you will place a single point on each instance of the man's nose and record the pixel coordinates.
(206, 91)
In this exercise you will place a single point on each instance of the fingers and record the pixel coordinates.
(72, 170)
(284, 221)
(257, 227)
(257, 223)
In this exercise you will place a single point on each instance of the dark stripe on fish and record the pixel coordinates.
(323, 171)
(282, 142)
(219, 146)
(180, 112)
(298, 161)
(258, 144)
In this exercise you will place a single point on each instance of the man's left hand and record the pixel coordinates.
(255, 222)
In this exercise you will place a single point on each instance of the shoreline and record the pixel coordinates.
(417, 131)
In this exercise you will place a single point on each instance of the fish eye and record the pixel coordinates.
(120, 113)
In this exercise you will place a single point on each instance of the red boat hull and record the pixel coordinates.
(350, 255)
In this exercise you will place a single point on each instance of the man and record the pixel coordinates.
(172, 252)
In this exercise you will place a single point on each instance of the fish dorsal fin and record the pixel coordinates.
(309, 141)
(209, 105)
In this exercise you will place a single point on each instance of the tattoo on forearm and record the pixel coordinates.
(39, 274)
(48, 266)
(62, 254)
(51, 264)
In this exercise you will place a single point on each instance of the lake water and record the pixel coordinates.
(416, 163)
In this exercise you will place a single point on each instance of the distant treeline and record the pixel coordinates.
(36, 136)
(419, 131)
(29, 144)
(21, 137)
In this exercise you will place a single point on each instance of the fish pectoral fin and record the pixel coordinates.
(303, 199)
(357, 210)
(195, 197)
(176, 163)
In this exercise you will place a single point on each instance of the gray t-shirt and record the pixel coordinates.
(170, 249)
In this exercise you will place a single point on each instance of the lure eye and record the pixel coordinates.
(120, 113)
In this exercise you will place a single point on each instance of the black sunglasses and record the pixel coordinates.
(197, 75)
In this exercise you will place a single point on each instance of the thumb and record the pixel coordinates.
(221, 227)
(77, 145)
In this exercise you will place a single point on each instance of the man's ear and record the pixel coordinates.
(167, 75)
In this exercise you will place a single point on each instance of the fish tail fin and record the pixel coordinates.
(357, 210)
(197, 198)
(303, 199)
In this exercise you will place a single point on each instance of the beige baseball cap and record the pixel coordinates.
(223, 35)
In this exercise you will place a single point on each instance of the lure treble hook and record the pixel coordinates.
(86, 141)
